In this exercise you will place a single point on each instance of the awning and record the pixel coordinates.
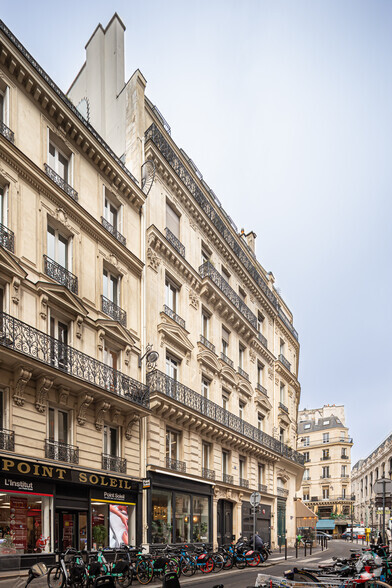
(325, 525)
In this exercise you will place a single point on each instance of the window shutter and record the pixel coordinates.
(172, 221)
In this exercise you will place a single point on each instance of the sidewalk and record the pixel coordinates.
(277, 557)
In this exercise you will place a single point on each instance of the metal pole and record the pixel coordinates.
(280, 543)
(352, 521)
(383, 511)
(285, 548)
(254, 528)
(296, 549)
(311, 543)
(305, 548)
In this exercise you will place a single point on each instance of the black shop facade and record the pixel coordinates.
(44, 507)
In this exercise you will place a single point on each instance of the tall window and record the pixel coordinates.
(260, 473)
(325, 453)
(325, 471)
(307, 474)
(241, 409)
(205, 387)
(282, 393)
(205, 324)
(242, 465)
(225, 341)
(225, 274)
(111, 286)
(260, 373)
(344, 473)
(242, 294)
(306, 494)
(306, 456)
(57, 247)
(59, 350)
(306, 441)
(110, 440)
(172, 221)
(225, 401)
(325, 492)
(172, 444)
(111, 212)
(344, 491)
(325, 437)
(4, 100)
(110, 357)
(281, 435)
(4, 205)
(241, 353)
(260, 421)
(59, 161)
(344, 452)
(58, 425)
(171, 367)
(205, 255)
(171, 295)
(282, 347)
(225, 462)
(260, 322)
(206, 455)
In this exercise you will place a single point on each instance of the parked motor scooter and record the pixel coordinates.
(36, 571)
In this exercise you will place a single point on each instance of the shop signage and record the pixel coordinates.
(14, 485)
(112, 497)
(60, 474)
(146, 483)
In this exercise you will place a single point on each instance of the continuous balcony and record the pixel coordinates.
(7, 440)
(112, 463)
(227, 360)
(7, 133)
(180, 321)
(61, 275)
(207, 344)
(61, 451)
(30, 342)
(228, 479)
(174, 242)
(262, 488)
(159, 382)
(324, 458)
(175, 464)
(208, 474)
(113, 231)
(244, 483)
(207, 270)
(284, 362)
(7, 238)
(261, 389)
(262, 339)
(283, 407)
(243, 373)
(343, 456)
(114, 311)
(61, 183)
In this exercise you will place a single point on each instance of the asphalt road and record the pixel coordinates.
(234, 578)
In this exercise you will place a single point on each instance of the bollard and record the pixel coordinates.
(322, 545)
(285, 548)
(310, 548)
(280, 544)
(305, 548)
(296, 550)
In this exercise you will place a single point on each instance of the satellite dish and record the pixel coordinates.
(148, 175)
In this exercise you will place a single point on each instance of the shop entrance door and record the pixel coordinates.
(71, 529)
(225, 522)
(281, 521)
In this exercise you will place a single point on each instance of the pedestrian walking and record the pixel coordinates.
(389, 538)
(379, 539)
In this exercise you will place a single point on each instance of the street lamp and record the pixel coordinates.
(151, 357)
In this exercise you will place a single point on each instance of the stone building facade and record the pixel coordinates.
(324, 441)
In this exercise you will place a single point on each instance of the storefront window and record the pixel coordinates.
(100, 524)
(183, 518)
(111, 522)
(162, 517)
(200, 519)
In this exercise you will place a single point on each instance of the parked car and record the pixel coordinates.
(321, 534)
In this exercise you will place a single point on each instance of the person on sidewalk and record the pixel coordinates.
(389, 538)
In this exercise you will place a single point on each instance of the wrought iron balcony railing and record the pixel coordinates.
(243, 373)
(7, 238)
(114, 311)
(163, 384)
(325, 477)
(227, 360)
(343, 456)
(283, 407)
(208, 474)
(24, 339)
(7, 133)
(7, 440)
(113, 463)
(285, 362)
(244, 483)
(180, 321)
(228, 479)
(174, 242)
(175, 464)
(325, 457)
(61, 451)
(61, 275)
(282, 491)
(60, 182)
(207, 270)
(286, 321)
(345, 475)
(207, 344)
(261, 389)
(262, 339)
(262, 488)
(113, 231)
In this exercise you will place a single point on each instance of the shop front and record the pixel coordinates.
(180, 510)
(263, 521)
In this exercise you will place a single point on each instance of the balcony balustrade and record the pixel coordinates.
(112, 463)
(325, 457)
(7, 133)
(175, 464)
(227, 360)
(163, 384)
(228, 479)
(7, 440)
(180, 321)
(343, 456)
(325, 477)
(282, 491)
(7, 238)
(243, 373)
(261, 389)
(285, 362)
(61, 275)
(61, 183)
(113, 231)
(207, 344)
(28, 341)
(174, 242)
(208, 474)
(61, 451)
(262, 488)
(244, 483)
(283, 407)
(114, 311)
(262, 339)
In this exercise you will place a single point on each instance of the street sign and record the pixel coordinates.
(378, 487)
(255, 499)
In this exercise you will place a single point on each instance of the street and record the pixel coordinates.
(238, 578)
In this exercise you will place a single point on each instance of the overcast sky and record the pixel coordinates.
(285, 107)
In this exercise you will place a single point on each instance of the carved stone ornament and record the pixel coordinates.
(277, 381)
(63, 395)
(85, 401)
(21, 378)
(193, 299)
(115, 416)
(101, 409)
(79, 325)
(131, 420)
(43, 306)
(43, 386)
(15, 290)
(101, 339)
(127, 354)
(153, 259)
(252, 356)
(270, 373)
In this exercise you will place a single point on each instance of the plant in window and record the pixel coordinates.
(100, 534)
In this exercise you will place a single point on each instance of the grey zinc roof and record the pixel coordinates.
(333, 423)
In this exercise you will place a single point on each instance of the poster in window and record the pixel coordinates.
(18, 522)
(118, 522)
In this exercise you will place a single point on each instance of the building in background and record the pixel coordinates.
(324, 441)
(225, 394)
(368, 511)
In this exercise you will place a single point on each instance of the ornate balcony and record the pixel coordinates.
(28, 341)
(261, 389)
(343, 456)
(207, 344)
(207, 270)
(282, 491)
(174, 242)
(325, 458)
(113, 231)
(208, 474)
(325, 477)
(262, 339)
(243, 373)
(180, 321)
(7, 440)
(112, 463)
(263, 488)
(228, 479)
(163, 384)
(244, 483)
(175, 464)
(61, 451)
(284, 361)
(114, 311)
(61, 275)
(7, 133)
(61, 183)
(283, 407)
(7, 238)
(227, 360)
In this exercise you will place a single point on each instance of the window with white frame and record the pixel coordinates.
(260, 474)
(307, 426)
(60, 159)
(171, 295)
(110, 441)
(4, 103)
(242, 467)
(344, 473)
(112, 211)
(58, 425)
(172, 444)
(325, 471)
(225, 401)
(205, 324)
(241, 355)
(325, 492)
(306, 441)
(325, 437)
(206, 449)
(260, 421)
(205, 387)
(260, 373)
(225, 341)
(260, 322)
(241, 409)
(306, 495)
(111, 286)
(59, 247)
(4, 205)
(59, 341)
(282, 393)
(225, 462)
(172, 220)
(306, 455)
(172, 365)
(306, 474)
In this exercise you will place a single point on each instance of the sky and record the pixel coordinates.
(286, 108)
